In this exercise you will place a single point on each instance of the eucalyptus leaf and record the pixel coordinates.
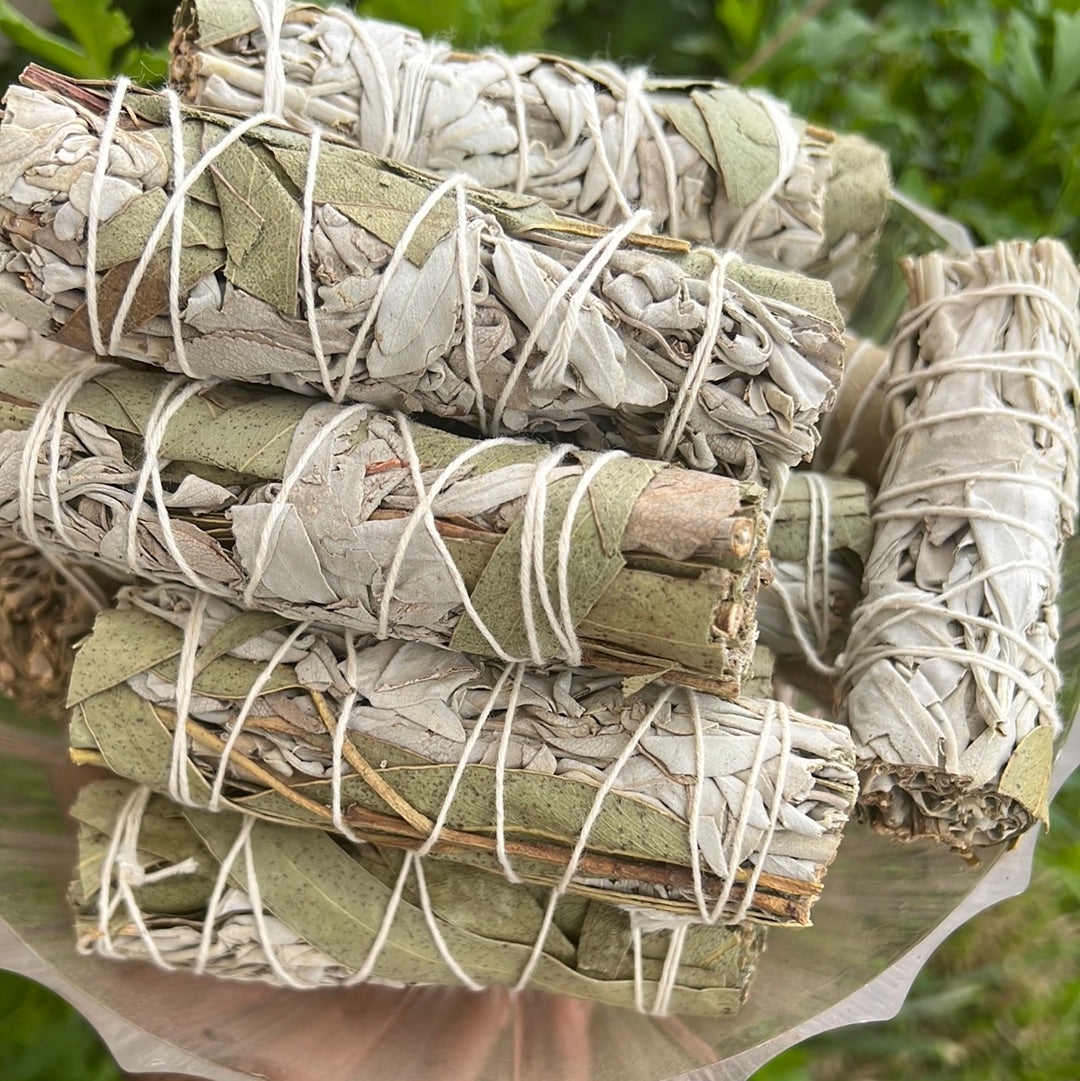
(644, 537)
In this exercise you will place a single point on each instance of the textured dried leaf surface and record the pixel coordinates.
(951, 679)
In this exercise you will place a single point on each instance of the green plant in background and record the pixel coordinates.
(98, 42)
(979, 107)
(44, 1039)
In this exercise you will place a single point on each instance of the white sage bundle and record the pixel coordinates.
(671, 801)
(361, 519)
(714, 163)
(241, 899)
(269, 256)
(950, 674)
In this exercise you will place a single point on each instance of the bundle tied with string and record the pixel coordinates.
(666, 801)
(360, 519)
(233, 249)
(242, 899)
(949, 674)
(853, 432)
(713, 163)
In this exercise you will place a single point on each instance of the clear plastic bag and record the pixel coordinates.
(885, 910)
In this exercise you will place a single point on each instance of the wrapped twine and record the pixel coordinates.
(142, 247)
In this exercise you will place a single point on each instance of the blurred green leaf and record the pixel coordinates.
(43, 1039)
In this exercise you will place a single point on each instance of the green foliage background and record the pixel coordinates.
(978, 104)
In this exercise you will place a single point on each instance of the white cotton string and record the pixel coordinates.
(632, 89)
(462, 763)
(179, 781)
(271, 19)
(379, 941)
(812, 651)
(734, 856)
(468, 311)
(255, 893)
(48, 427)
(517, 95)
(257, 685)
(280, 504)
(642, 920)
(432, 921)
(895, 491)
(562, 562)
(990, 363)
(669, 973)
(121, 866)
(413, 75)
(783, 716)
(414, 859)
(338, 750)
(93, 211)
(384, 98)
(533, 563)
(597, 257)
(864, 652)
(173, 207)
(616, 196)
(307, 285)
(816, 597)
(422, 514)
(667, 159)
(169, 401)
(913, 317)
(587, 825)
(176, 240)
(639, 964)
(500, 776)
(1037, 420)
(686, 400)
(787, 150)
(960, 510)
(551, 371)
(221, 883)
(695, 803)
(397, 257)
